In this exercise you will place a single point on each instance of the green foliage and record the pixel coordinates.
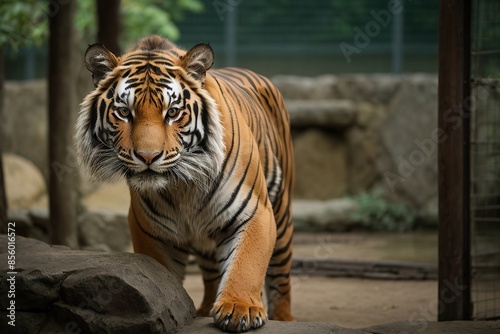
(143, 17)
(86, 19)
(26, 22)
(177, 8)
(22, 22)
(376, 214)
(139, 18)
(333, 21)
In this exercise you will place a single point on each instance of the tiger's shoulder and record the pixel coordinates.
(243, 78)
(251, 92)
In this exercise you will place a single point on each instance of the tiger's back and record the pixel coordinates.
(209, 163)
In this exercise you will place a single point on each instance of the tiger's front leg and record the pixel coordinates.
(171, 255)
(244, 254)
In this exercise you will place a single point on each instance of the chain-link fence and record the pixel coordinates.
(317, 36)
(485, 159)
(300, 37)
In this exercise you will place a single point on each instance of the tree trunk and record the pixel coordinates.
(62, 108)
(3, 196)
(108, 17)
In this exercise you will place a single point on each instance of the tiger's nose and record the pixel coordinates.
(148, 157)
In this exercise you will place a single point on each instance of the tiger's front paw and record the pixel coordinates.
(237, 317)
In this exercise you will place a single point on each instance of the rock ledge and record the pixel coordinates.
(60, 290)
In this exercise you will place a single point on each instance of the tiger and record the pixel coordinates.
(208, 160)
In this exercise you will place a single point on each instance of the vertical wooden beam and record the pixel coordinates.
(453, 160)
(62, 108)
(108, 23)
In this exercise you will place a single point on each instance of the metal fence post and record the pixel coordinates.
(230, 29)
(397, 41)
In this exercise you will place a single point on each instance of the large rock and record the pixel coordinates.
(409, 138)
(306, 88)
(334, 114)
(24, 183)
(95, 228)
(320, 160)
(373, 88)
(363, 150)
(364, 147)
(30, 224)
(60, 290)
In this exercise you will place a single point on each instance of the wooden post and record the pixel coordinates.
(62, 107)
(108, 17)
(453, 160)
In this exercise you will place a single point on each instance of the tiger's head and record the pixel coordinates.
(149, 117)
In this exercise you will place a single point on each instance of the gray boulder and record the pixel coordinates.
(373, 88)
(30, 223)
(59, 290)
(297, 87)
(95, 228)
(410, 139)
(24, 183)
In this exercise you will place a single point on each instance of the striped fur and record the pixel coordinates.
(209, 163)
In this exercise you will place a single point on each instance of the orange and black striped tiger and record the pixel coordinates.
(208, 159)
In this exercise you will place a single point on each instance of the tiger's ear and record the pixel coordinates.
(198, 61)
(99, 60)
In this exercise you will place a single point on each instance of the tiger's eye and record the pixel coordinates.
(124, 111)
(172, 112)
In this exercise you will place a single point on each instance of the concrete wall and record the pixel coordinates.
(356, 133)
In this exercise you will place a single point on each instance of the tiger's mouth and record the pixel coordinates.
(147, 173)
(147, 180)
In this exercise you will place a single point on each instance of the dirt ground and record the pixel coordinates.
(355, 302)
(346, 302)
(350, 302)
